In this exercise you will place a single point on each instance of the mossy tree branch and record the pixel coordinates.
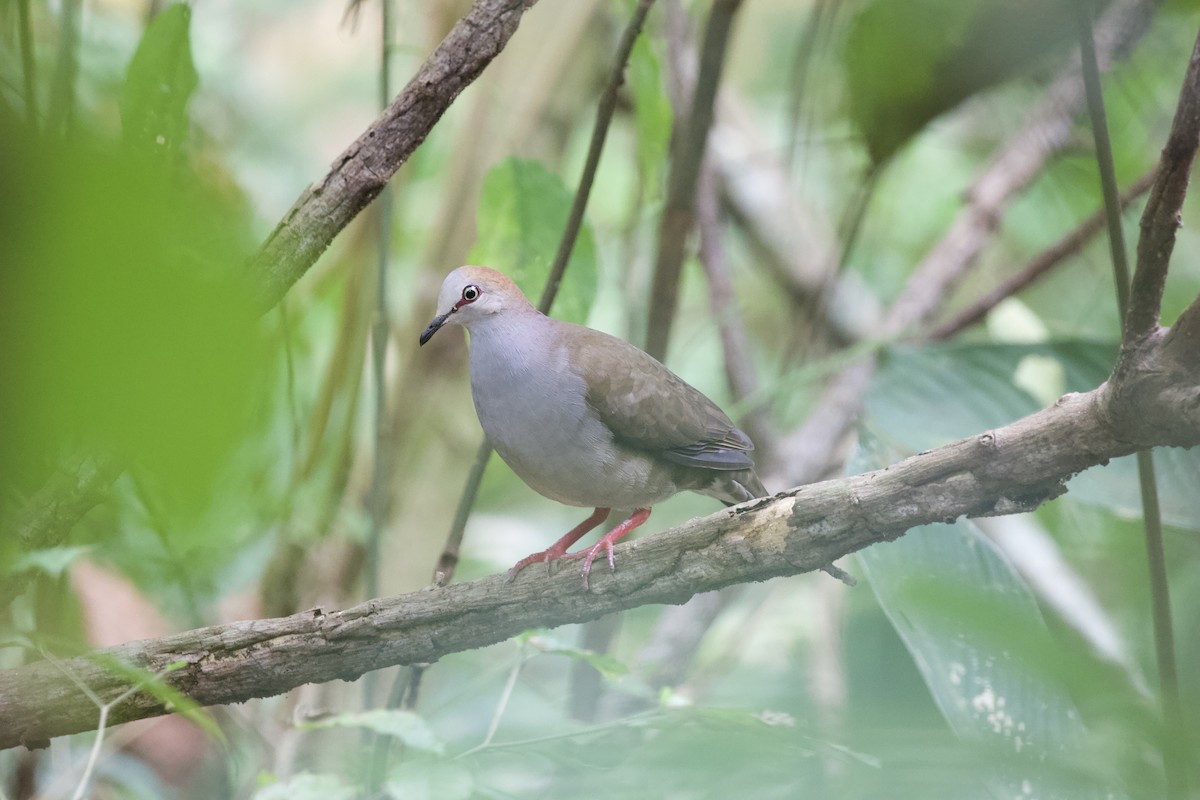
(1006, 470)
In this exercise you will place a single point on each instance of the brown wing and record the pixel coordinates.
(652, 409)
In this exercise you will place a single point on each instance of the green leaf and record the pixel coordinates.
(975, 633)
(309, 786)
(606, 665)
(907, 62)
(523, 209)
(160, 81)
(403, 725)
(52, 561)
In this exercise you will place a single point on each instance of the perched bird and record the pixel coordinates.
(585, 418)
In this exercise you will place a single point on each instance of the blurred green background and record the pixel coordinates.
(163, 142)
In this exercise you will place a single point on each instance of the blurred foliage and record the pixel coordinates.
(951, 50)
(184, 132)
(160, 82)
(523, 209)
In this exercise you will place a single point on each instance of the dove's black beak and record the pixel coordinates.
(438, 322)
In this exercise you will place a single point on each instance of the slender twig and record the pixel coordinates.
(1175, 737)
(28, 63)
(589, 730)
(289, 366)
(1185, 135)
(61, 109)
(1104, 155)
(444, 571)
(447, 562)
(377, 501)
(679, 211)
(802, 59)
(380, 330)
(501, 704)
(815, 307)
(1038, 266)
(735, 344)
(604, 115)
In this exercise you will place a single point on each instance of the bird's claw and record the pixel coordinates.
(589, 556)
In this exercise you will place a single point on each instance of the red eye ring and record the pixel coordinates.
(470, 294)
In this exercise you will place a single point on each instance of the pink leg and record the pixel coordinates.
(559, 548)
(607, 541)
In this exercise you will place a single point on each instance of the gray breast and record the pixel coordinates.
(535, 414)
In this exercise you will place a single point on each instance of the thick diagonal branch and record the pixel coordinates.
(1006, 470)
(364, 168)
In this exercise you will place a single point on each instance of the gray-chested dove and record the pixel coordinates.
(585, 418)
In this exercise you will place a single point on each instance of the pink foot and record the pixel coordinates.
(559, 548)
(607, 541)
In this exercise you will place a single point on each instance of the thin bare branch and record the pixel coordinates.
(1161, 217)
(735, 343)
(679, 209)
(1038, 266)
(28, 63)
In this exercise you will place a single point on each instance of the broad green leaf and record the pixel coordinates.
(523, 209)
(159, 83)
(309, 786)
(942, 587)
(403, 725)
(907, 61)
(928, 396)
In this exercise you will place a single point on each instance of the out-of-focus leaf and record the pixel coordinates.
(928, 396)
(159, 83)
(652, 114)
(426, 779)
(907, 61)
(406, 726)
(52, 561)
(606, 665)
(523, 209)
(309, 786)
(125, 318)
(1027, 724)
